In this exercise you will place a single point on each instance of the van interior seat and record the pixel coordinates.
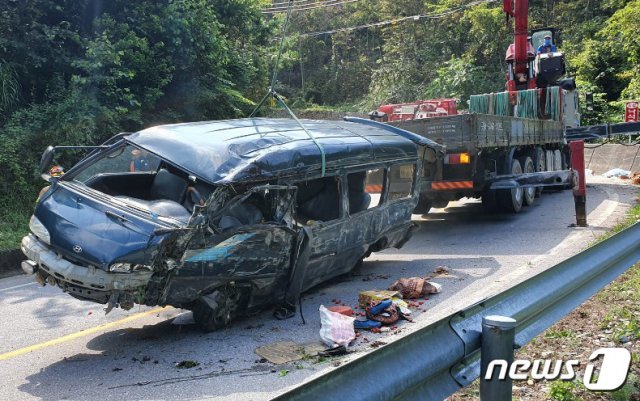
(359, 199)
(161, 207)
(169, 186)
(319, 202)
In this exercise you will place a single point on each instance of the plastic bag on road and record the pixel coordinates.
(336, 329)
(617, 172)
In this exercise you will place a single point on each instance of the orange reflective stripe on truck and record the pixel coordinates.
(373, 188)
(444, 185)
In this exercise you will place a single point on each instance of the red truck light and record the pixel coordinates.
(457, 158)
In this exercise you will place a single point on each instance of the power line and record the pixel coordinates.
(308, 6)
(418, 17)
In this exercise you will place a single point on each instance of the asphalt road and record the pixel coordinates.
(56, 347)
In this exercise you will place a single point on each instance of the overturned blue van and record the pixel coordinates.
(225, 217)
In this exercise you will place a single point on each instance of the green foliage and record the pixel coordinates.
(563, 390)
(78, 72)
(454, 55)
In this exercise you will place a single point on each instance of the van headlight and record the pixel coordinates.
(127, 268)
(39, 230)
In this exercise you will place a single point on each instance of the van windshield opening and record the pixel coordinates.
(122, 160)
(145, 182)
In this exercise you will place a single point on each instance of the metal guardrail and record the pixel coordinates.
(438, 360)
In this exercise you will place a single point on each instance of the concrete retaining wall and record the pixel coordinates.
(602, 158)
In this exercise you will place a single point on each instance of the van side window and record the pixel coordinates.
(318, 199)
(365, 189)
(401, 181)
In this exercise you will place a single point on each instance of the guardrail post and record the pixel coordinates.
(498, 334)
(579, 191)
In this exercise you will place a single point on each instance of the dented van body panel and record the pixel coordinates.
(225, 217)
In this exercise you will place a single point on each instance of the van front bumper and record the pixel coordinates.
(60, 269)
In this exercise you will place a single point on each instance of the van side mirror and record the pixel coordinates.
(45, 162)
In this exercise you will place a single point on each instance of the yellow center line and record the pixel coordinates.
(78, 334)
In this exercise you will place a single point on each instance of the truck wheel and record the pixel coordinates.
(214, 311)
(489, 201)
(530, 192)
(541, 165)
(510, 200)
(423, 206)
(440, 203)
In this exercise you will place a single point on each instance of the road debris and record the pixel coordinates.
(366, 297)
(335, 351)
(341, 309)
(281, 352)
(415, 287)
(336, 329)
(617, 172)
(187, 364)
(366, 324)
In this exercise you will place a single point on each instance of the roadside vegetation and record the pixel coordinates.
(611, 318)
(79, 71)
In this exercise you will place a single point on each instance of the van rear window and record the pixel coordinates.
(365, 189)
(401, 181)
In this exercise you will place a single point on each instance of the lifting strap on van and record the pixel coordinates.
(272, 92)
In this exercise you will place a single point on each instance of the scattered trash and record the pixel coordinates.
(335, 351)
(187, 364)
(365, 297)
(384, 312)
(441, 270)
(617, 172)
(588, 172)
(343, 310)
(366, 324)
(377, 343)
(336, 329)
(116, 369)
(281, 352)
(635, 179)
(283, 373)
(415, 287)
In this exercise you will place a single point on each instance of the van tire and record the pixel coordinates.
(212, 313)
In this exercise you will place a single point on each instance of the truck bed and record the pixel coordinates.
(473, 132)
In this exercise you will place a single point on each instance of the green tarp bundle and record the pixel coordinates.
(528, 104)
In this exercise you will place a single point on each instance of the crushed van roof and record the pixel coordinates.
(264, 148)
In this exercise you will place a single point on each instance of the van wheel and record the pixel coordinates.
(510, 200)
(214, 311)
(423, 206)
(530, 192)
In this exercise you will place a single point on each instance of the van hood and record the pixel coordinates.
(96, 231)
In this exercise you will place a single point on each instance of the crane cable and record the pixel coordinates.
(272, 92)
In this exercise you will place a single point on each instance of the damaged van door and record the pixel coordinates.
(238, 257)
